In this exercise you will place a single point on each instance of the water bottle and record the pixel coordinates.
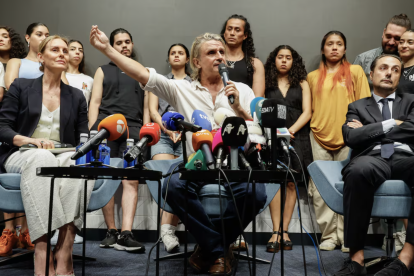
(84, 159)
(104, 153)
(130, 143)
(91, 153)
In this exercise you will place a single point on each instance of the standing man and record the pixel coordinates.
(380, 131)
(241, 55)
(115, 92)
(391, 35)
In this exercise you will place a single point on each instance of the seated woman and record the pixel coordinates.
(32, 114)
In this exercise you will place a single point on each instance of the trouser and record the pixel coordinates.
(208, 231)
(67, 197)
(362, 177)
(330, 223)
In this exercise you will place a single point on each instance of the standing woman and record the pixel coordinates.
(11, 45)
(44, 112)
(333, 86)
(406, 52)
(286, 82)
(169, 146)
(76, 69)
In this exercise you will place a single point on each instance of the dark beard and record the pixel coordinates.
(385, 51)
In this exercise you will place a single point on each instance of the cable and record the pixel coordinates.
(162, 212)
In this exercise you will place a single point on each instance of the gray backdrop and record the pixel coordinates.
(156, 24)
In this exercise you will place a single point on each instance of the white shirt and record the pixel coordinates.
(48, 126)
(2, 84)
(186, 97)
(81, 82)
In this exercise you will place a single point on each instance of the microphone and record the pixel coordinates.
(285, 147)
(253, 105)
(256, 145)
(258, 110)
(234, 134)
(203, 140)
(149, 135)
(175, 121)
(111, 128)
(221, 114)
(219, 150)
(201, 119)
(243, 159)
(224, 73)
(273, 115)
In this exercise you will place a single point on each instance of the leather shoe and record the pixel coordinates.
(198, 260)
(351, 268)
(217, 268)
(396, 268)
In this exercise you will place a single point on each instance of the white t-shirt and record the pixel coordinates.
(82, 82)
(2, 84)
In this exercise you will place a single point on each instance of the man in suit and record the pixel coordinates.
(380, 131)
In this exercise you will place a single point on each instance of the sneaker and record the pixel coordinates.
(239, 243)
(126, 241)
(395, 268)
(78, 239)
(170, 241)
(25, 242)
(344, 249)
(54, 239)
(8, 240)
(351, 268)
(110, 240)
(327, 246)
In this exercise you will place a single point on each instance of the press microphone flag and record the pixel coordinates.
(234, 133)
(111, 128)
(201, 119)
(203, 140)
(273, 114)
(253, 105)
(219, 149)
(224, 73)
(175, 121)
(258, 110)
(149, 135)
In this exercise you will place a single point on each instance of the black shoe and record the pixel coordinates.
(273, 247)
(126, 241)
(351, 268)
(395, 268)
(287, 245)
(110, 240)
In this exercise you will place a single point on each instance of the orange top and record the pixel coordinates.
(329, 108)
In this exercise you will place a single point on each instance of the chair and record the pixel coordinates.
(208, 195)
(392, 200)
(11, 200)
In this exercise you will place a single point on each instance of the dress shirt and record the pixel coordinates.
(49, 125)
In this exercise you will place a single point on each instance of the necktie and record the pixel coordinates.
(386, 149)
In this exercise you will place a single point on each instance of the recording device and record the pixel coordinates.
(111, 128)
(201, 119)
(224, 73)
(253, 106)
(219, 149)
(203, 140)
(221, 114)
(175, 121)
(196, 162)
(149, 135)
(234, 134)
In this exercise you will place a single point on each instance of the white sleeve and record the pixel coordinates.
(161, 86)
(247, 99)
(2, 84)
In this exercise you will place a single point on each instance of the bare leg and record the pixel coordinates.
(108, 212)
(407, 255)
(357, 256)
(40, 257)
(274, 208)
(129, 203)
(9, 224)
(64, 248)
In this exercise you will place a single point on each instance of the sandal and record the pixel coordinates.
(273, 247)
(287, 245)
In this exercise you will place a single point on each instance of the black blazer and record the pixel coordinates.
(362, 140)
(22, 107)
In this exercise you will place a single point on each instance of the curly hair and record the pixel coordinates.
(296, 74)
(17, 49)
(248, 44)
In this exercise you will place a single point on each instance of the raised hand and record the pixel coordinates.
(98, 39)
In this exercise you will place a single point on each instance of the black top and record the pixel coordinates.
(406, 84)
(301, 143)
(22, 108)
(121, 94)
(239, 72)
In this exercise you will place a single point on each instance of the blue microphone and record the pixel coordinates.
(253, 105)
(201, 119)
(258, 108)
(175, 121)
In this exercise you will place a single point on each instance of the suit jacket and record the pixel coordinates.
(362, 140)
(22, 107)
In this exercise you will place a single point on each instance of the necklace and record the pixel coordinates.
(231, 63)
(407, 73)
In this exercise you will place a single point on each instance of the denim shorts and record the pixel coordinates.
(166, 146)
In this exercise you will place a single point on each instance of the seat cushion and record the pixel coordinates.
(10, 181)
(388, 188)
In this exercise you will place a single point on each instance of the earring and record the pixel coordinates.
(28, 44)
(169, 65)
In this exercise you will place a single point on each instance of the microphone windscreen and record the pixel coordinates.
(201, 119)
(218, 142)
(253, 105)
(153, 130)
(167, 119)
(254, 128)
(273, 114)
(116, 125)
(222, 68)
(202, 137)
(258, 109)
(234, 132)
(221, 114)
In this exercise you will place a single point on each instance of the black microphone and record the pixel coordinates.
(224, 73)
(94, 142)
(234, 133)
(273, 114)
(149, 135)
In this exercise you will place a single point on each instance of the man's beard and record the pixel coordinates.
(385, 51)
